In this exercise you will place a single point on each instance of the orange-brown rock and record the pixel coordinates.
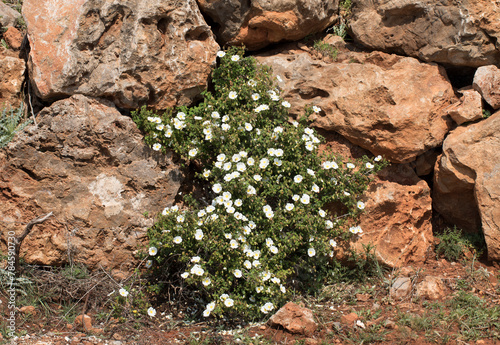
(13, 37)
(88, 164)
(460, 33)
(295, 319)
(467, 180)
(387, 104)
(349, 320)
(155, 52)
(469, 108)
(431, 288)
(397, 218)
(11, 80)
(257, 23)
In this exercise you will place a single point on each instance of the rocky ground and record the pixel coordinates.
(439, 302)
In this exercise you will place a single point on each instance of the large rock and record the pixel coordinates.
(487, 83)
(257, 23)
(133, 52)
(390, 105)
(397, 218)
(88, 164)
(295, 319)
(459, 33)
(11, 79)
(467, 180)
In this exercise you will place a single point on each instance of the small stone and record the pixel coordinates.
(401, 288)
(117, 336)
(349, 319)
(431, 288)
(13, 37)
(362, 297)
(294, 319)
(311, 341)
(389, 324)
(29, 309)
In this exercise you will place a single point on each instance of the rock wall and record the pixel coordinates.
(387, 93)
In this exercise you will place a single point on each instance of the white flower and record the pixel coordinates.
(233, 95)
(378, 158)
(257, 177)
(160, 127)
(153, 251)
(360, 205)
(218, 165)
(233, 244)
(286, 104)
(248, 127)
(221, 157)
(252, 82)
(333, 243)
(289, 207)
(264, 162)
(273, 249)
(322, 213)
(259, 289)
(237, 273)
(295, 123)
(266, 308)
(149, 263)
(123, 292)
(329, 224)
(193, 152)
(308, 131)
(250, 161)
(241, 167)
(215, 115)
(180, 218)
(177, 239)
(266, 275)
(196, 269)
(276, 280)
(283, 289)
(251, 225)
(347, 193)
(370, 165)
(168, 133)
(269, 242)
(356, 230)
(279, 79)
(230, 210)
(225, 127)
(311, 252)
(221, 53)
(316, 109)
(277, 162)
(256, 263)
(251, 190)
(224, 296)
(305, 199)
(255, 96)
(151, 311)
(256, 254)
(157, 147)
(309, 146)
(310, 172)
(315, 188)
(235, 58)
(206, 173)
(270, 151)
(195, 259)
(225, 118)
(350, 165)
(185, 275)
(270, 214)
(198, 235)
(278, 152)
(295, 197)
(210, 306)
(247, 264)
(298, 178)
(229, 302)
(206, 313)
(217, 188)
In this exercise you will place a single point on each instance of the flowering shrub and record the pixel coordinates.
(265, 211)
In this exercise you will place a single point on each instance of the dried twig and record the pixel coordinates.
(20, 239)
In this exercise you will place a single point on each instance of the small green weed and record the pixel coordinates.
(11, 122)
(486, 113)
(452, 244)
(326, 49)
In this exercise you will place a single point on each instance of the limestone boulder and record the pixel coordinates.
(487, 83)
(295, 319)
(397, 218)
(390, 105)
(8, 16)
(159, 52)
(11, 79)
(86, 163)
(458, 33)
(258, 23)
(467, 180)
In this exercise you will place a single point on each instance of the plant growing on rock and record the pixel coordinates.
(267, 212)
